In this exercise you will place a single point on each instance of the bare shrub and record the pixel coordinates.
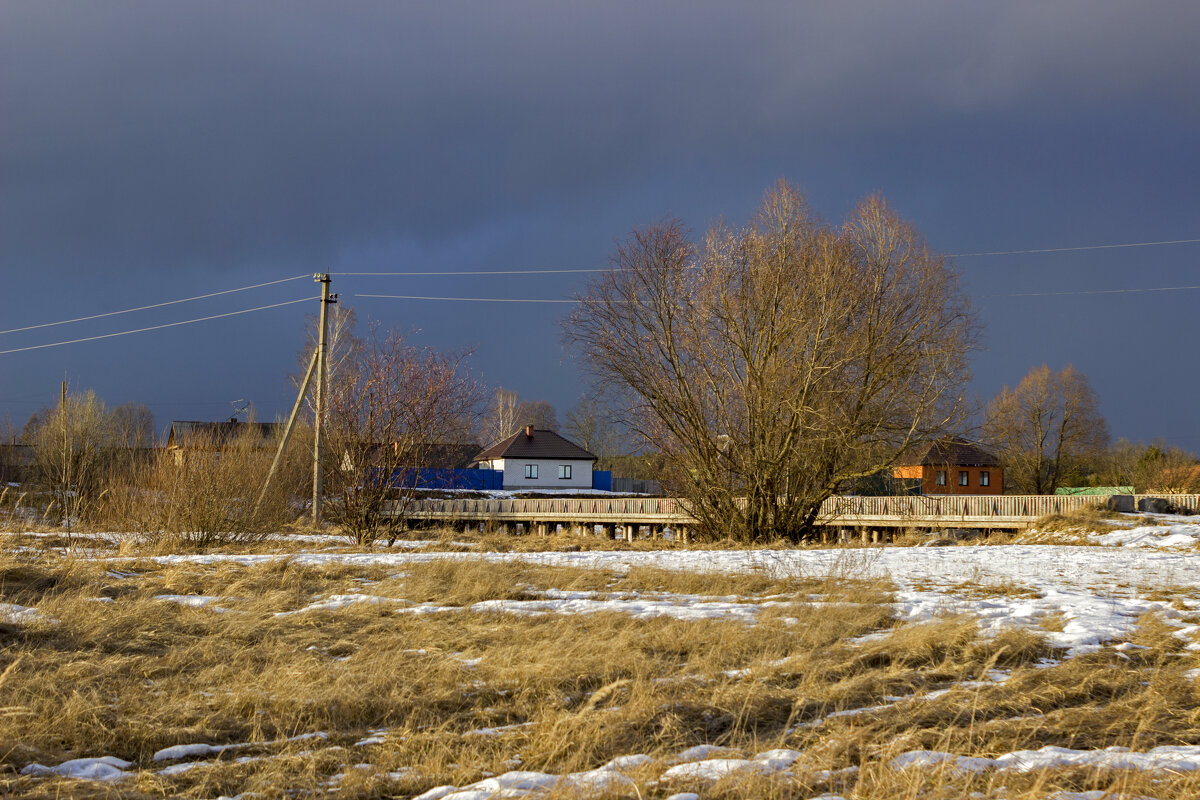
(72, 445)
(206, 495)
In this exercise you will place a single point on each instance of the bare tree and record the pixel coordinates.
(29, 429)
(589, 423)
(537, 413)
(773, 364)
(1154, 467)
(133, 426)
(9, 462)
(501, 419)
(132, 436)
(390, 406)
(1046, 428)
(72, 444)
(341, 343)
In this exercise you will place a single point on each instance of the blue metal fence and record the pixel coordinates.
(430, 478)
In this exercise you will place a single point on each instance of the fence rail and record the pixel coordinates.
(921, 511)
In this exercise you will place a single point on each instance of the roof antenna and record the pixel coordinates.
(240, 407)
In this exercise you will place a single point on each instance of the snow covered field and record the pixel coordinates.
(1010, 671)
(1099, 592)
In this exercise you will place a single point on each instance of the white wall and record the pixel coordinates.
(514, 474)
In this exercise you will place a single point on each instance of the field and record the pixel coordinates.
(446, 668)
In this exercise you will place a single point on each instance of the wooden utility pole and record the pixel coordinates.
(322, 375)
(287, 431)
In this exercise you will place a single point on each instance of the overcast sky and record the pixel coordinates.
(153, 151)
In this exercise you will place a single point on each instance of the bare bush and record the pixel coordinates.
(205, 496)
(775, 363)
(72, 445)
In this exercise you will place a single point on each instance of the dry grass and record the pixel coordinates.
(133, 675)
(1072, 526)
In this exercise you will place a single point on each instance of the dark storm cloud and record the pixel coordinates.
(166, 133)
(182, 147)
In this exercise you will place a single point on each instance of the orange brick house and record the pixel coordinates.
(954, 466)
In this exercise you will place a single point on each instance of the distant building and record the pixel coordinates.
(188, 437)
(539, 459)
(954, 466)
(16, 463)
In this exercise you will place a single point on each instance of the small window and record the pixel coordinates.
(564, 472)
(531, 471)
(984, 478)
(940, 478)
(964, 478)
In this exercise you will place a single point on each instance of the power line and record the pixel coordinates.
(579, 270)
(154, 327)
(467, 299)
(1098, 291)
(152, 305)
(484, 272)
(572, 301)
(1067, 249)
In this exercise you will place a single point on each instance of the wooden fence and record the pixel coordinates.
(922, 511)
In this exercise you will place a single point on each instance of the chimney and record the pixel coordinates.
(528, 431)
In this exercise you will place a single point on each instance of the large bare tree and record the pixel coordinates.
(1046, 428)
(390, 406)
(775, 363)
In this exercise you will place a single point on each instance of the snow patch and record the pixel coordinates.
(1179, 758)
(14, 614)
(105, 768)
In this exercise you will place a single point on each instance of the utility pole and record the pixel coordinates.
(322, 375)
(287, 431)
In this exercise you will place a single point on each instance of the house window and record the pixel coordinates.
(964, 478)
(984, 478)
(564, 472)
(531, 471)
(940, 477)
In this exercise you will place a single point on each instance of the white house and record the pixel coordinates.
(539, 459)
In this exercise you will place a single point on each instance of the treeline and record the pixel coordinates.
(1049, 433)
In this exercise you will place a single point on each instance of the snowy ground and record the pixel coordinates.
(1098, 591)
(1095, 596)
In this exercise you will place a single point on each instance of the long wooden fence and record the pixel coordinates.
(623, 515)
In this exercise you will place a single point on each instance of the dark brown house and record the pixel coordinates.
(954, 466)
